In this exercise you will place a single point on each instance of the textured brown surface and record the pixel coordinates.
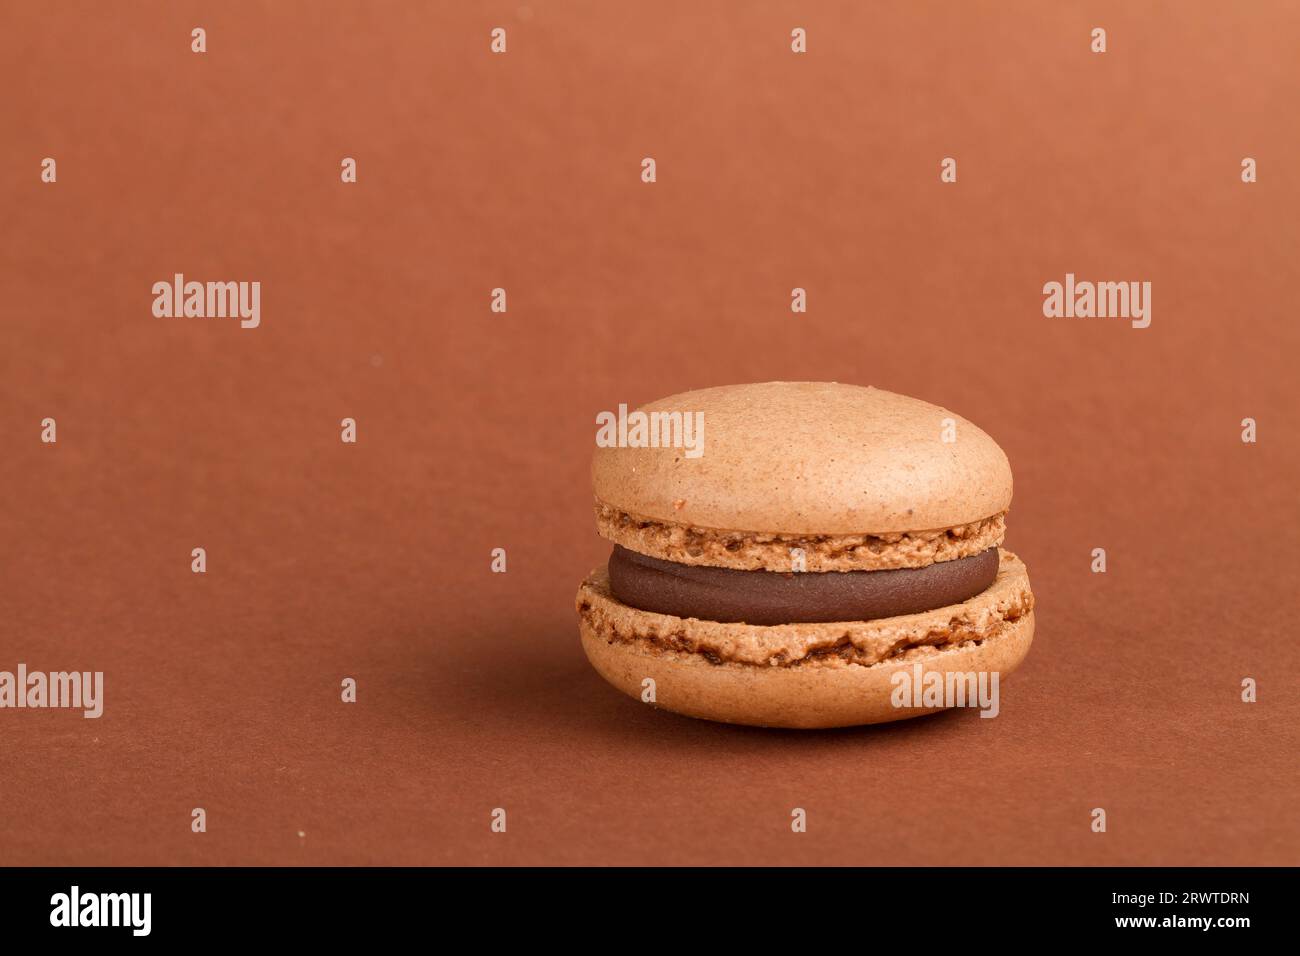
(371, 561)
(810, 458)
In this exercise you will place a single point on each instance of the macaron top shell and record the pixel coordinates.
(811, 458)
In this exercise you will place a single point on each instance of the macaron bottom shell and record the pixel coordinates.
(807, 696)
(802, 698)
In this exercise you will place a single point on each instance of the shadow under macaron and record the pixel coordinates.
(545, 687)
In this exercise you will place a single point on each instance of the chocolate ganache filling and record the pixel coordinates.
(775, 597)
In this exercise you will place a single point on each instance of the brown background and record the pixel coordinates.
(371, 561)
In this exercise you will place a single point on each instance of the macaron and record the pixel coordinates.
(798, 554)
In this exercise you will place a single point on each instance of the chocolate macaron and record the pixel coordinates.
(791, 554)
